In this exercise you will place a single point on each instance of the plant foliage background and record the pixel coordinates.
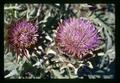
(46, 62)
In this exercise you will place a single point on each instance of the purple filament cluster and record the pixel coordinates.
(77, 37)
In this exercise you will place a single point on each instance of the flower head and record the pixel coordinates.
(77, 37)
(21, 36)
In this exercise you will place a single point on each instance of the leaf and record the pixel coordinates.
(58, 75)
(109, 40)
(90, 65)
(12, 73)
(8, 62)
(100, 71)
(111, 54)
(10, 66)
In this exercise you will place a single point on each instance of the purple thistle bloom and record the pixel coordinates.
(77, 37)
(21, 36)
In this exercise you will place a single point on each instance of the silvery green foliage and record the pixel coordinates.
(46, 61)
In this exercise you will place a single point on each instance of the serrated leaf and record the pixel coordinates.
(10, 66)
(13, 72)
(8, 62)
